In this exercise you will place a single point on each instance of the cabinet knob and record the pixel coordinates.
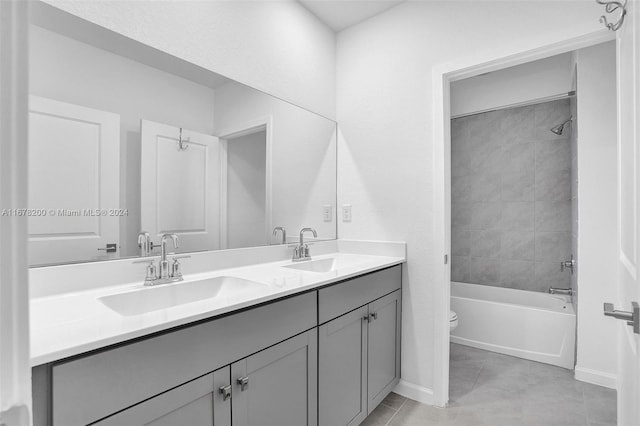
(225, 391)
(374, 315)
(244, 383)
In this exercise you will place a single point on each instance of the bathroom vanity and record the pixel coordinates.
(318, 343)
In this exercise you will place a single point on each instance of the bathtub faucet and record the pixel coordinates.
(553, 290)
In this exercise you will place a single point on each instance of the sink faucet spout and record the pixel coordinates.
(303, 230)
(301, 252)
(164, 263)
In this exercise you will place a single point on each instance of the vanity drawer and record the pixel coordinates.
(87, 389)
(348, 295)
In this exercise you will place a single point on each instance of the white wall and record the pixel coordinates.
(275, 46)
(70, 71)
(303, 155)
(533, 80)
(597, 216)
(386, 161)
(246, 161)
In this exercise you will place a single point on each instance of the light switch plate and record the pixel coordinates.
(346, 212)
(327, 214)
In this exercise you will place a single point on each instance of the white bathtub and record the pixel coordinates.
(531, 325)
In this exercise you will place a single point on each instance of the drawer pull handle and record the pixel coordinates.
(225, 391)
(244, 383)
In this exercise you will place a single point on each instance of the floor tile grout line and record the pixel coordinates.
(475, 382)
(388, 406)
(397, 411)
(584, 403)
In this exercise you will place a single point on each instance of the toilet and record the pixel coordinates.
(453, 320)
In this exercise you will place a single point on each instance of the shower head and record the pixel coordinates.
(560, 127)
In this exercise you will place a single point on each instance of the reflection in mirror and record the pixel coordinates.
(125, 139)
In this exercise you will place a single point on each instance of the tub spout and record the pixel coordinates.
(554, 290)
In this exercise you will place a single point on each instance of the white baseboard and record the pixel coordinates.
(415, 392)
(596, 377)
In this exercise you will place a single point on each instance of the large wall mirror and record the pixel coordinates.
(125, 139)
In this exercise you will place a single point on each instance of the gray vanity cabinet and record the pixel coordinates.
(89, 388)
(198, 402)
(342, 369)
(358, 351)
(383, 348)
(277, 386)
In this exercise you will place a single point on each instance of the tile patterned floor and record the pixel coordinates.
(493, 389)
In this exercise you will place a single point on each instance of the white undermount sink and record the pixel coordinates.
(320, 265)
(163, 296)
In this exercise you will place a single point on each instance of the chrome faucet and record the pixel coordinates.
(164, 263)
(166, 274)
(144, 243)
(301, 251)
(284, 233)
(567, 291)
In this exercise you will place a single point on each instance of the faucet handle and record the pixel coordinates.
(176, 268)
(151, 270)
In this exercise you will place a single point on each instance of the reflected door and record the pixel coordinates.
(180, 185)
(73, 182)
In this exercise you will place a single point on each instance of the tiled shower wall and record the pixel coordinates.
(511, 197)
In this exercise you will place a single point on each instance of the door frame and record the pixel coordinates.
(442, 76)
(15, 369)
(261, 123)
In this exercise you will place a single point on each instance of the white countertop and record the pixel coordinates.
(67, 324)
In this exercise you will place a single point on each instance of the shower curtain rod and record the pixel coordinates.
(520, 104)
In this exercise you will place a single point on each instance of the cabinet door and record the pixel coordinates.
(196, 403)
(278, 386)
(342, 369)
(221, 397)
(383, 348)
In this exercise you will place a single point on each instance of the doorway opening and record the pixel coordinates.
(443, 79)
(527, 197)
(245, 193)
